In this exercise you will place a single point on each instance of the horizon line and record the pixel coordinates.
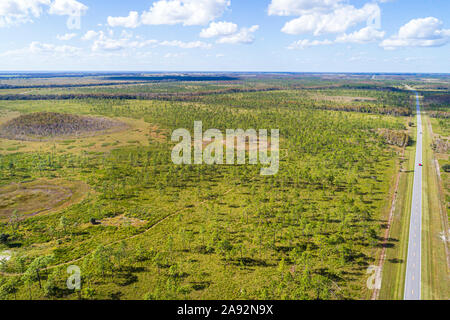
(218, 71)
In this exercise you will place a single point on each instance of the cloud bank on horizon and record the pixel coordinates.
(114, 30)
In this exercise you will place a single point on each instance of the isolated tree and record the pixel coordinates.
(88, 293)
(14, 220)
(33, 271)
(50, 287)
(141, 254)
(101, 259)
(19, 263)
(64, 223)
(160, 260)
(224, 247)
(8, 288)
(120, 253)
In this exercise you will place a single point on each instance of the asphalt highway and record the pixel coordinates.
(413, 267)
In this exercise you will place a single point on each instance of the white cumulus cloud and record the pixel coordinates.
(38, 48)
(14, 12)
(67, 8)
(300, 7)
(306, 43)
(185, 12)
(186, 45)
(106, 42)
(229, 33)
(364, 35)
(423, 32)
(109, 44)
(337, 21)
(132, 21)
(91, 35)
(221, 28)
(244, 35)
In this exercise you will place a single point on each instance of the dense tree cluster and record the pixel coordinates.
(394, 137)
(441, 145)
(437, 104)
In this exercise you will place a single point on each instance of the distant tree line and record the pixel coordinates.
(173, 78)
(350, 86)
(52, 86)
(130, 96)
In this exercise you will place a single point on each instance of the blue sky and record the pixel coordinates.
(226, 35)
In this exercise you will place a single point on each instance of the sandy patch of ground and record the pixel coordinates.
(42, 196)
(51, 126)
(156, 133)
(122, 221)
(136, 133)
(6, 115)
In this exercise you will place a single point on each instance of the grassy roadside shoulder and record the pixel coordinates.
(435, 280)
(394, 268)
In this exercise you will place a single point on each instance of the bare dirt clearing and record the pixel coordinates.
(44, 126)
(132, 132)
(29, 199)
(122, 220)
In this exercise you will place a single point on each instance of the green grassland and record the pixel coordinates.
(437, 179)
(437, 106)
(436, 270)
(203, 232)
(394, 269)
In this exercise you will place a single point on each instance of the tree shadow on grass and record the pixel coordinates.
(12, 245)
(386, 245)
(324, 272)
(250, 262)
(395, 260)
(200, 285)
(115, 295)
(125, 279)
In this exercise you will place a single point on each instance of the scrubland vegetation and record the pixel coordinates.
(140, 227)
(437, 104)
